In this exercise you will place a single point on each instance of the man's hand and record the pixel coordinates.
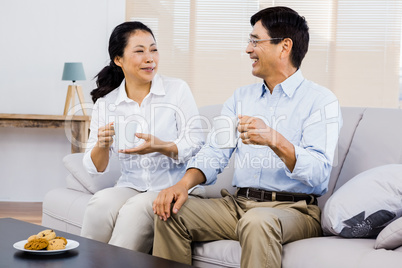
(162, 204)
(177, 194)
(254, 131)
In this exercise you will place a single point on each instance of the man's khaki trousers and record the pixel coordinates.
(260, 227)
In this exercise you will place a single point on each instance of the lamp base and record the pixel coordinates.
(70, 99)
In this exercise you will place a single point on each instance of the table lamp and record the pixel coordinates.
(73, 71)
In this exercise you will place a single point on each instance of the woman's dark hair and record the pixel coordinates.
(284, 22)
(111, 76)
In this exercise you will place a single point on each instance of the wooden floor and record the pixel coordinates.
(24, 211)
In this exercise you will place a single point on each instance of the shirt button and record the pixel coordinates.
(255, 176)
(284, 95)
(271, 108)
(112, 107)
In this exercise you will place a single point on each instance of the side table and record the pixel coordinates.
(78, 125)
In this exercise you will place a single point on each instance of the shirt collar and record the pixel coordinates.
(288, 86)
(121, 94)
(157, 88)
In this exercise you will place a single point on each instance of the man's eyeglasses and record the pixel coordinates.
(255, 41)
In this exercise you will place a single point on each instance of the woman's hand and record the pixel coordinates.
(105, 136)
(100, 153)
(153, 144)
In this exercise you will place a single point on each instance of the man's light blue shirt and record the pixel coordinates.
(306, 114)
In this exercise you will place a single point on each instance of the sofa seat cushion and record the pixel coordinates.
(222, 253)
(335, 252)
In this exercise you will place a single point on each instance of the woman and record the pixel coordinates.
(129, 90)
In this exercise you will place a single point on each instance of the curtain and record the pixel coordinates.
(354, 45)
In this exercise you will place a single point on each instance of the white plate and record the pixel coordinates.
(71, 244)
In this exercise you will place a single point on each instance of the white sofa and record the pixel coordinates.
(370, 137)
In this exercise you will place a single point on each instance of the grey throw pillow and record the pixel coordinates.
(364, 205)
(391, 236)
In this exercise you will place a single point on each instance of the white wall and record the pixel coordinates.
(36, 38)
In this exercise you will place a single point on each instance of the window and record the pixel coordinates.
(354, 48)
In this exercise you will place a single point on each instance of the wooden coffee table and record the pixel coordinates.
(89, 253)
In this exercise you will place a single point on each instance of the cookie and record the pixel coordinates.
(56, 244)
(62, 238)
(47, 234)
(37, 244)
(32, 237)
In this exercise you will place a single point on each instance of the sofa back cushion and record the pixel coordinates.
(225, 178)
(377, 141)
(351, 118)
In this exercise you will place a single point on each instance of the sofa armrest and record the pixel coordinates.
(91, 183)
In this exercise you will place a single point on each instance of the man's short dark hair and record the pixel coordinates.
(284, 22)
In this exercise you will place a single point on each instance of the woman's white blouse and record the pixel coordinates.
(169, 113)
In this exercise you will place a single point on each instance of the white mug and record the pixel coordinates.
(225, 134)
(125, 134)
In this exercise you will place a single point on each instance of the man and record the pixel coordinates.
(289, 130)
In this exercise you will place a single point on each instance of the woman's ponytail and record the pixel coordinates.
(108, 79)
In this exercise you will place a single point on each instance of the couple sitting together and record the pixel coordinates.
(157, 204)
